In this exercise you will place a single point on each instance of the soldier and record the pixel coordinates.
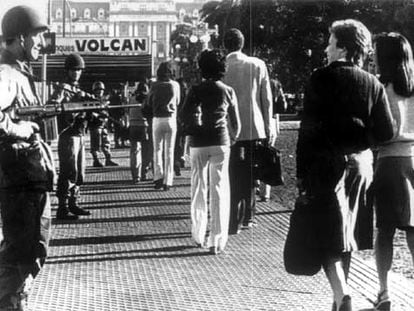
(97, 124)
(26, 164)
(71, 145)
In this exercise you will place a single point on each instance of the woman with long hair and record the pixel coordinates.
(394, 177)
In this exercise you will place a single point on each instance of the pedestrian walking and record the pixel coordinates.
(393, 178)
(71, 142)
(140, 153)
(345, 113)
(98, 129)
(163, 98)
(26, 163)
(249, 78)
(210, 149)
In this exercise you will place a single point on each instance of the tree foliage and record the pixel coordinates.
(291, 35)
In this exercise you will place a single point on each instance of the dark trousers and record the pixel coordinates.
(241, 172)
(71, 150)
(26, 232)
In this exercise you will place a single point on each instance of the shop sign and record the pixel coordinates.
(83, 45)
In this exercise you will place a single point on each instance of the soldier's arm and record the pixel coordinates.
(9, 128)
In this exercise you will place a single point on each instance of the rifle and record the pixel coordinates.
(51, 110)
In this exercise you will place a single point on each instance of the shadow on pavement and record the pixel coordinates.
(115, 257)
(117, 239)
(161, 217)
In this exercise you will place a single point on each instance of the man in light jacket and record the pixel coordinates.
(249, 78)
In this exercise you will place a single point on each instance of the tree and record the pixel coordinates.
(291, 36)
(225, 14)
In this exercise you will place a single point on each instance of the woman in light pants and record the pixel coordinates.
(163, 98)
(209, 175)
(164, 131)
(211, 120)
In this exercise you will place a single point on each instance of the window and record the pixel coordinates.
(73, 13)
(87, 29)
(142, 29)
(195, 13)
(124, 29)
(87, 13)
(59, 28)
(58, 13)
(101, 13)
(161, 31)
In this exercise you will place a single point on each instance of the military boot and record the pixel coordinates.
(63, 211)
(75, 209)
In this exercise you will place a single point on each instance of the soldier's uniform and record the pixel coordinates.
(26, 176)
(71, 146)
(98, 129)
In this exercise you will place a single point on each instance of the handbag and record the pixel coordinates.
(147, 111)
(268, 165)
(301, 254)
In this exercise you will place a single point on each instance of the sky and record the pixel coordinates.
(40, 5)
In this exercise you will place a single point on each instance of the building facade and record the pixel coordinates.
(95, 26)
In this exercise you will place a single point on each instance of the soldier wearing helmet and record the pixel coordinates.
(71, 144)
(97, 124)
(26, 164)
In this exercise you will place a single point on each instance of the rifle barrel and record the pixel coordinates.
(52, 110)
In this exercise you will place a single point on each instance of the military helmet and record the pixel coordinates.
(98, 85)
(21, 20)
(74, 61)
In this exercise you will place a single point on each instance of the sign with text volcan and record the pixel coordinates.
(112, 45)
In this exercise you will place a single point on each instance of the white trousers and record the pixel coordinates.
(164, 131)
(210, 178)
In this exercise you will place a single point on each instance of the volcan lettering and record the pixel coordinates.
(103, 47)
(79, 47)
(115, 45)
(139, 45)
(127, 45)
(93, 45)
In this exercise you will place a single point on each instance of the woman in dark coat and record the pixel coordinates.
(345, 113)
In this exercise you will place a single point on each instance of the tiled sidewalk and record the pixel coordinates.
(135, 253)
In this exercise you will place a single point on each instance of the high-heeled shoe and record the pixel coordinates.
(383, 302)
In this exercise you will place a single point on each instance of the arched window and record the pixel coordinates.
(58, 13)
(87, 13)
(101, 13)
(195, 13)
(73, 13)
